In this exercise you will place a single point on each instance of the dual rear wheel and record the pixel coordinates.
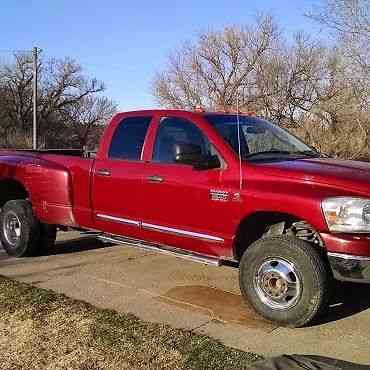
(21, 233)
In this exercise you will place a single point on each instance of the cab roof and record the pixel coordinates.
(188, 111)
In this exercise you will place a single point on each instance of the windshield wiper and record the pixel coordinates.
(309, 153)
(268, 152)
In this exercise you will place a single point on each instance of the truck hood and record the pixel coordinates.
(353, 176)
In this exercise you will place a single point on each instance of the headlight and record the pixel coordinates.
(348, 215)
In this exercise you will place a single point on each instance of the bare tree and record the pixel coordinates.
(16, 87)
(254, 68)
(293, 80)
(304, 85)
(218, 70)
(86, 118)
(62, 88)
(350, 21)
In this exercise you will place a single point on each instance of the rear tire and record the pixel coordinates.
(21, 233)
(286, 280)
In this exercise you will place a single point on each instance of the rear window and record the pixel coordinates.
(128, 139)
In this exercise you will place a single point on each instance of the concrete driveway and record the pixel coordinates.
(189, 295)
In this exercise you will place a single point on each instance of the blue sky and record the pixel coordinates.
(124, 43)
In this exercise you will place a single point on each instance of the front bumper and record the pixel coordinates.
(350, 268)
(349, 256)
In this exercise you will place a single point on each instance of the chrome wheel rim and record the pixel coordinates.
(278, 283)
(12, 228)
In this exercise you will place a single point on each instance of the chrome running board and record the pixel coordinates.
(165, 249)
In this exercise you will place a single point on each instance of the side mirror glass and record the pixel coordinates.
(208, 163)
(191, 154)
(187, 153)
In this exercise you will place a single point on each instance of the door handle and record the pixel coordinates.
(155, 178)
(103, 172)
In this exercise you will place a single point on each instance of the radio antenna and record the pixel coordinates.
(239, 144)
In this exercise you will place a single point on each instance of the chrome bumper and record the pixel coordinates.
(350, 268)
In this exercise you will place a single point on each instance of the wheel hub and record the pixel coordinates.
(12, 228)
(278, 284)
(274, 284)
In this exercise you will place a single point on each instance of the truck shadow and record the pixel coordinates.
(80, 244)
(347, 300)
(296, 362)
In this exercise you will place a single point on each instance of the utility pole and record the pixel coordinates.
(35, 51)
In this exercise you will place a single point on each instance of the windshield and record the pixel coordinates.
(258, 138)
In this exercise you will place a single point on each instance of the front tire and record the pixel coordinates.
(21, 233)
(286, 280)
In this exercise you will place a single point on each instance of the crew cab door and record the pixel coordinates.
(117, 185)
(178, 208)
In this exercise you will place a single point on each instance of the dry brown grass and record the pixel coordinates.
(40, 329)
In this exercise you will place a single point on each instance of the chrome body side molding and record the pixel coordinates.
(165, 249)
(118, 219)
(181, 232)
(163, 229)
(349, 267)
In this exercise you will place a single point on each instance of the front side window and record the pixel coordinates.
(259, 139)
(178, 131)
(128, 139)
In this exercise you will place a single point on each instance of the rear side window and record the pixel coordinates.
(128, 139)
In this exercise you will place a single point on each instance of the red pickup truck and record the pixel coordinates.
(216, 188)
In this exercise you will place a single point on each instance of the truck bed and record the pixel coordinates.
(49, 177)
(69, 152)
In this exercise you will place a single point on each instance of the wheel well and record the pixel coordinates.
(262, 224)
(11, 189)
